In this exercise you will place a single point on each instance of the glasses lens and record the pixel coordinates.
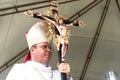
(44, 47)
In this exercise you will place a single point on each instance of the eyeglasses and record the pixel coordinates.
(44, 47)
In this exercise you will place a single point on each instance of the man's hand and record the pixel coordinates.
(64, 68)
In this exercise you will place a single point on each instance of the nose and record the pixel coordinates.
(48, 48)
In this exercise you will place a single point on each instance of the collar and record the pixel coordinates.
(38, 66)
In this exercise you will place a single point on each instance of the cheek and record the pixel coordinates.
(39, 53)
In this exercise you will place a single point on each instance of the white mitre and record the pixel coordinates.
(36, 34)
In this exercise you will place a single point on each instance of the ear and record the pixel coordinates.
(32, 49)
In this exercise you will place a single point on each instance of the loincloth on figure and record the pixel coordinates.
(60, 39)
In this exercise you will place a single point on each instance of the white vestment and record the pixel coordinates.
(33, 71)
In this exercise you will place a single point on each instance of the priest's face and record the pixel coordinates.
(41, 53)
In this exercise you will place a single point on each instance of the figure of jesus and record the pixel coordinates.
(62, 36)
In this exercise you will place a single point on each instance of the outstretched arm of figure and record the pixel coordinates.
(79, 23)
(35, 15)
(47, 18)
(75, 23)
(70, 24)
(40, 16)
(30, 13)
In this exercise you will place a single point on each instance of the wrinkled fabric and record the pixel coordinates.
(33, 71)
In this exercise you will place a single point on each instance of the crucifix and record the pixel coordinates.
(59, 26)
